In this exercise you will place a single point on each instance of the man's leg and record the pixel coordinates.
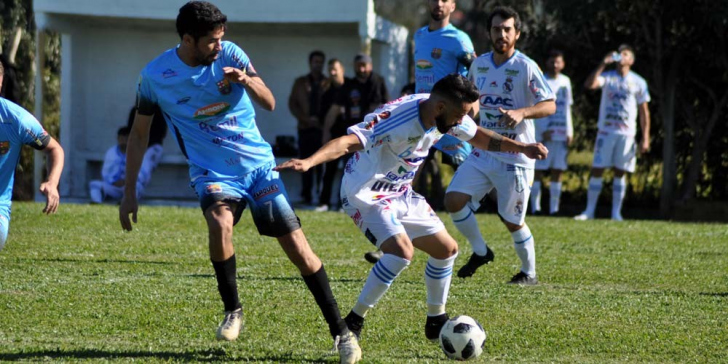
(592, 195)
(536, 193)
(619, 190)
(443, 251)
(457, 204)
(219, 217)
(330, 170)
(4, 225)
(555, 190)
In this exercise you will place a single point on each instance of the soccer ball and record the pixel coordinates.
(462, 338)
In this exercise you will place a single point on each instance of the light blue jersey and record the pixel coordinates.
(17, 127)
(439, 53)
(213, 120)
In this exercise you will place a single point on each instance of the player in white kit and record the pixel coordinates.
(513, 91)
(624, 96)
(390, 145)
(556, 132)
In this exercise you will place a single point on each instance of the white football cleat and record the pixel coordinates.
(583, 217)
(348, 346)
(229, 328)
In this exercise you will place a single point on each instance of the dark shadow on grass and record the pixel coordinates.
(209, 355)
(66, 260)
(282, 279)
(714, 294)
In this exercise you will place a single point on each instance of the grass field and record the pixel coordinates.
(74, 287)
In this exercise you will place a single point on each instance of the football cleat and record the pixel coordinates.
(434, 325)
(583, 217)
(475, 262)
(523, 279)
(229, 328)
(373, 257)
(348, 347)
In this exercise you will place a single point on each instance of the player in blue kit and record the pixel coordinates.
(204, 88)
(17, 128)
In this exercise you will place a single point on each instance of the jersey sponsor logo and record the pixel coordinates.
(266, 191)
(617, 96)
(237, 60)
(183, 100)
(425, 78)
(224, 86)
(382, 140)
(494, 84)
(211, 110)
(534, 89)
(436, 53)
(4, 146)
(381, 186)
(213, 188)
(38, 139)
(482, 69)
(512, 73)
(423, 64)
(169, 73)
(392, 177)
(227, 124)
(508, 85)
(491, 101)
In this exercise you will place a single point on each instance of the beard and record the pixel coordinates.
(206, 60)
(497, 49)
(441, 124)
(437, 17)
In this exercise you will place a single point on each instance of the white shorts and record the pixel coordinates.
(406, 214)
(556, 158)
(615, 150)
(476, 177)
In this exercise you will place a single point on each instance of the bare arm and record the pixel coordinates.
(255, 86)
(49, 188)
(592, 82)
(489, 140)
(135, 148)
(334, 149)
(293, 105)
(511, 118)
(644, 113)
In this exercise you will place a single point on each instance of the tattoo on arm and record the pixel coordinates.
(495, 142)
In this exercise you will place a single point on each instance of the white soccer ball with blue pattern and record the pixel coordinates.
(462, 338)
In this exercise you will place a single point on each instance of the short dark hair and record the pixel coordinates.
(197, 18)
(334, 60)
(505, 12)
(456, 88)
(554, 53)
(625, 47)
(316, 53)
(124, 130)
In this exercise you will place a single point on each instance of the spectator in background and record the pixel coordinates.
(113, 172)
(305, 104)
(332, 89)
(556, 132)
(624, 97)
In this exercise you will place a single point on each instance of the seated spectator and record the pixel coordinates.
(113, 172)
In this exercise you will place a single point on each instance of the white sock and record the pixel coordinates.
(438, 274)
(523, 242)
(555, 197)
(466, 223)
(592, 195)
(380, 278)
(536, 197)
(619, 190)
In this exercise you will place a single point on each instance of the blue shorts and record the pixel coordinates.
(263, 189)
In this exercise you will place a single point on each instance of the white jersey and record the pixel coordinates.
(395, 143)
(515, 84)
(114, 167)
(559, 123)
(620, 98)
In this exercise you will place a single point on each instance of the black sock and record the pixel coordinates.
(318, 284)
(225, 272)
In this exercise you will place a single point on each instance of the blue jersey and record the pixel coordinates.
(17, 127)
(213, 120)
(439, 53)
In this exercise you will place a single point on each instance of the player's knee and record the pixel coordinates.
(402, 248)
(513, 227)
(455, 202)
(220, 223)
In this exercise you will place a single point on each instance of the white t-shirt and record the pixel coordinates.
(620, 98)
(515, 84)
(395, 143)
(559, 123)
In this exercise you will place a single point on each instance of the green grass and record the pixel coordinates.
(74, 287)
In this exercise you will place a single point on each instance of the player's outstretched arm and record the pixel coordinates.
(55, 166)
(258, 91)
(511, 118)
(334, 149)
(488, 140)
(135, 148)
